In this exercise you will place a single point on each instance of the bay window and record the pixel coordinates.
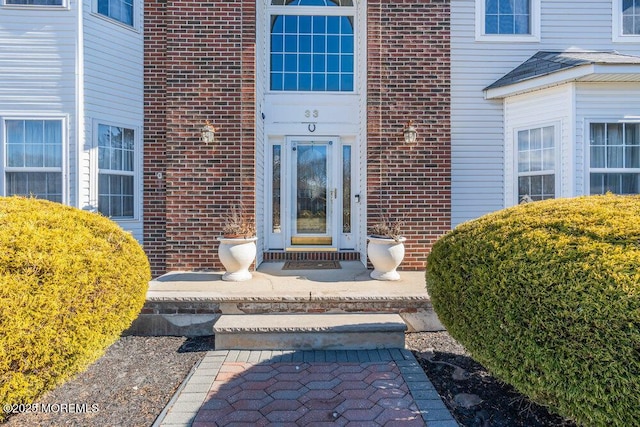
(614, 158)
(536, 164)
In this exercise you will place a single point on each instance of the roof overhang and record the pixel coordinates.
(580, 73)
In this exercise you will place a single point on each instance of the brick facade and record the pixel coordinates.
(408, 78)
(200, 65)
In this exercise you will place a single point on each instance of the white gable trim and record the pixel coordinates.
(587, 72)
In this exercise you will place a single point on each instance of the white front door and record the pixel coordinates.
(313, 200)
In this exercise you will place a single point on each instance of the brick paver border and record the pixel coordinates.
(184, 406)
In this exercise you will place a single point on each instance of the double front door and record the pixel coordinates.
(312, 197)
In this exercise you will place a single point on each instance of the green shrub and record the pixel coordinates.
(547, 296)
(70, 283)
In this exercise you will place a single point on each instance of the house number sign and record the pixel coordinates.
(311, 114)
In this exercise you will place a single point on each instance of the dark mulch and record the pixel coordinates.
(475, 398)
(131, 385)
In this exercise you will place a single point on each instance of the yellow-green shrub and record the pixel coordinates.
(70, 282)
(547, 296)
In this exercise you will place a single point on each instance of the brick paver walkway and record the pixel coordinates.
(308, 388)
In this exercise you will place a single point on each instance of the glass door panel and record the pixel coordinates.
(312, 195)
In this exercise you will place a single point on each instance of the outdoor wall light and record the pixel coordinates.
(208, 133)
(410, 133)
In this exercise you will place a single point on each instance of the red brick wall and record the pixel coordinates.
(155, 133)
(199, 65)
(408, 78)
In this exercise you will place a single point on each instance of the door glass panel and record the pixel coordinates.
(275, 194)
(311, 189)
(346, 189)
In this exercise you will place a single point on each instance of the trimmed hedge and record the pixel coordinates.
(70, 282)
(546, 295)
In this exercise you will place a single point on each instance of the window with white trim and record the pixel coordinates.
(626, 20)
(536, 164)
(508, 20)
(630, 17)
(33, 2)
(312, 45)
(120, 10)
(116, 171)
(614, 158)
(33, 158)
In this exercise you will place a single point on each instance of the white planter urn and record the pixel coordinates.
(237, 254)
(386, 255)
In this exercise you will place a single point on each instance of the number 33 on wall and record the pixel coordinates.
(311, 113)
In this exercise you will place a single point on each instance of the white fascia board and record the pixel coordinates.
(616, 69)
(541, 82)
(581, 73)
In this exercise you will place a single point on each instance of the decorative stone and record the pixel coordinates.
(467, 400)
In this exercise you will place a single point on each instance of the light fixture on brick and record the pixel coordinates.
(410, 133)
(208, 133)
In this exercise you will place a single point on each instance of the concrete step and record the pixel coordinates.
(309, 332)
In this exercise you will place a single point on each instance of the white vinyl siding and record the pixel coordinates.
(114, 94)
(38, 79)
(478, 135)
(83, 70)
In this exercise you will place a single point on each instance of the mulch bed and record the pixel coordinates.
(474, 397)
(129, 386)
(134, 381)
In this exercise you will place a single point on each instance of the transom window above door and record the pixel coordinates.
(311, 52)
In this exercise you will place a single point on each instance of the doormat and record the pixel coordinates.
(311, 265)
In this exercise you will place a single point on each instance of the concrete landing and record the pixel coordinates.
(309, 332)
(189, 303)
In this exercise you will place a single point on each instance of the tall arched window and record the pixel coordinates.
(312, 45)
